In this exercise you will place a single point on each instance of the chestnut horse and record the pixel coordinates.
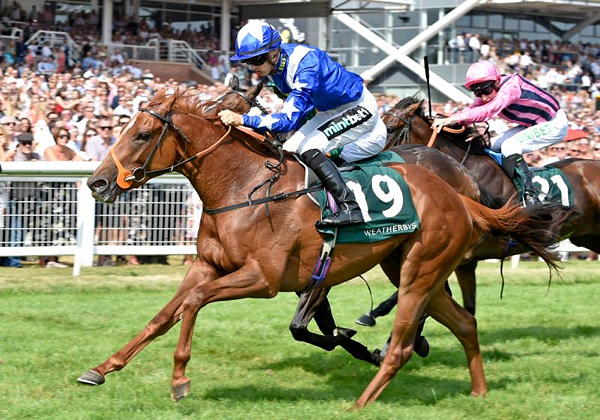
(406, 124)
(249, 252)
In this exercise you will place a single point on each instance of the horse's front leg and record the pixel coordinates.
(168, 316)
(248, 281)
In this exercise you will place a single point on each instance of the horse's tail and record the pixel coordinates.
(521, 224)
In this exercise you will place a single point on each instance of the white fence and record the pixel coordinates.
(47, 209)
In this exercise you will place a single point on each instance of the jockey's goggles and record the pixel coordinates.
(485, 88)
(257, 60)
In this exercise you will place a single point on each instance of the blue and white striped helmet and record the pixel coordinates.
(255, 38)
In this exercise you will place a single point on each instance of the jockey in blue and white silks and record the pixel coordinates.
(346, 117)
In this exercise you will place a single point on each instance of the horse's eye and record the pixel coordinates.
(390, 130)
(144, 136)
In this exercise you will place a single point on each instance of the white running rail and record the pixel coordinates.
(47, 209)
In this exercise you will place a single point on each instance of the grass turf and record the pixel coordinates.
(541, 351)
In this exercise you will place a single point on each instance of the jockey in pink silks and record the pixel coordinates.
(540, 122)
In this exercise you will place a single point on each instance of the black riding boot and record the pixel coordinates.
(348, 210)
(513, 162)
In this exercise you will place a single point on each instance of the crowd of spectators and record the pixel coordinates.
(56, 109)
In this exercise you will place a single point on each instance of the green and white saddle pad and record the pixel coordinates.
(551, 185)
(383, 197)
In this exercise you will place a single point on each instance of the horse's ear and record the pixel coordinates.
(253, 92)
(172, 98)
(234, 83)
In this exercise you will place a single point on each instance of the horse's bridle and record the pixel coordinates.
(126, 178)
(251, 102)
(405, 131)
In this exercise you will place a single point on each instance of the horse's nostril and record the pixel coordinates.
(99, 185)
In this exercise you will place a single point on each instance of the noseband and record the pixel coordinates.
(126, 178)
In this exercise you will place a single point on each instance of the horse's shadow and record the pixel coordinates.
(338, 377)
(549, 335)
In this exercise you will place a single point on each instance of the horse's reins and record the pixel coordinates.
(126, 178)
(437, 130)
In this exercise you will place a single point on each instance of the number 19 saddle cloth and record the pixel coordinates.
(384, 199)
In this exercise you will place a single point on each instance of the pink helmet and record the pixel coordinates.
(482, 71)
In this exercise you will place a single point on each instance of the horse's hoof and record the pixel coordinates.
(479, 393)
(366, 320)
(180, 391)
(91, 377)
(422, 346)
(344, 332)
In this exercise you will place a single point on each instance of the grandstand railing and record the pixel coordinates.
(15, 33)
(53, 39)
(149, 51)
(182, 52)
(47, 209)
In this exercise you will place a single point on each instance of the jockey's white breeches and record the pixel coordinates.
(522, 139)
(356, 126)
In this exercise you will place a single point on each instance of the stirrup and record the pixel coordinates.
(341, 218)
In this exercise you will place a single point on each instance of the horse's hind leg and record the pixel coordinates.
(465, 275)
(308, 305)
(463, 325)
(168, 316)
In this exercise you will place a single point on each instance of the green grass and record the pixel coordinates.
(541, 351)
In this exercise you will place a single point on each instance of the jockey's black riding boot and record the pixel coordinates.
(348, 210)
(513, 162)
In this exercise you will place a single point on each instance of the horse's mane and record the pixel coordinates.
(476, 141)
(188, 101)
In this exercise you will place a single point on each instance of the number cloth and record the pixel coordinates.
(383, 197)
(550, 183)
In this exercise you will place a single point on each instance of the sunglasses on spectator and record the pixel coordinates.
(256, 61)
(106, 127)
(10, 123)
(26, 143)
(63, 136)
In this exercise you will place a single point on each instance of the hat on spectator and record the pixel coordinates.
(7, 119)
(24, 137)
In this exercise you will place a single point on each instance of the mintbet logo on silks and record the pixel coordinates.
(345, 122)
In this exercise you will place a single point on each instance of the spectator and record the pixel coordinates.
(60, 151)
(97, 147)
